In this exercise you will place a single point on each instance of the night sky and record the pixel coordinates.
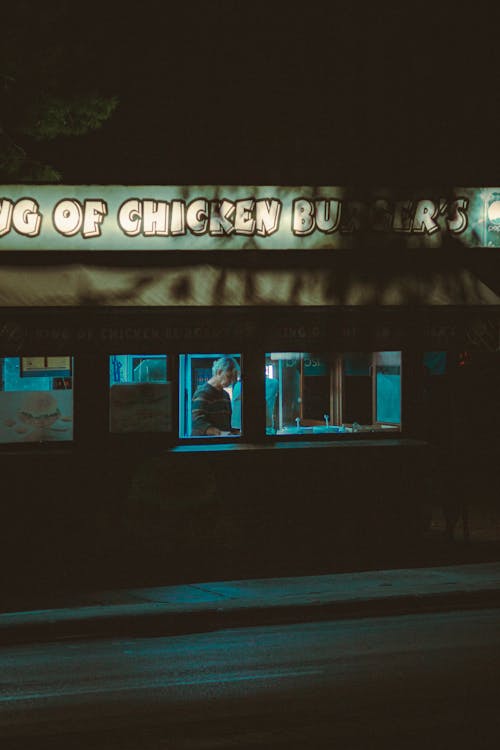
(275, 93)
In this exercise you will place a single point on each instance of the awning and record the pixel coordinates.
(75, 285)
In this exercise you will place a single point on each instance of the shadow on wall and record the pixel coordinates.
(211, 286)
(446, 279)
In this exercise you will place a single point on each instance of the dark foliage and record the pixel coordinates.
(48, 86)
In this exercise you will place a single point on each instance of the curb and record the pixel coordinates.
(162, 622)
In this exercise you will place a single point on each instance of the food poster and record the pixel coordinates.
(36, 416)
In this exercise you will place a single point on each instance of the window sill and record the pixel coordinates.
(350, 442)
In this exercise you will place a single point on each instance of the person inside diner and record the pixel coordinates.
(211, 404)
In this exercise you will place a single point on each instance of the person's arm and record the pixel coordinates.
(200, 423)
(211, 430)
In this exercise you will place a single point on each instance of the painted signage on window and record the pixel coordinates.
(104, 217)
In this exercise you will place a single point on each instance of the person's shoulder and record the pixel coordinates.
(204, 388)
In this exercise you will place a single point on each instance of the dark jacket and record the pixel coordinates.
(211, 408)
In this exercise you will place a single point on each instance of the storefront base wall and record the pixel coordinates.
(136, 513)
(174, 517)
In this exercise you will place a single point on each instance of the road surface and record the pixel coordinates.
(413, 681)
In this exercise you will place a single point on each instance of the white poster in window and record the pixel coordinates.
(36, 416)
(45, 366)
(140, 407)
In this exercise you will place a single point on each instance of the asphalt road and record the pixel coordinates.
(413, 681)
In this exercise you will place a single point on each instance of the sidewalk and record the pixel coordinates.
(207, 606)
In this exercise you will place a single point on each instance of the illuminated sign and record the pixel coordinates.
(63, 217)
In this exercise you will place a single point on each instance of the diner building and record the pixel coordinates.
(362, 327)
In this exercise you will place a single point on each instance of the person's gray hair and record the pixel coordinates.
(225, 364)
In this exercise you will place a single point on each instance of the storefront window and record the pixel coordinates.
(36, 399)
(210, 394)
(140, 394)
(318, 393)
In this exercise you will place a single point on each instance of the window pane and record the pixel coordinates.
(36, 399)
(388, 387)
(298, 393)
(336, 392)
(357, 388)
(210, 395)
(140, 394)
(435, 363)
